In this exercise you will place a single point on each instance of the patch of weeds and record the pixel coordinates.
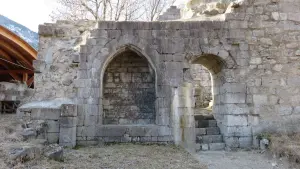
(235, 44)
(264, 136)
(77, 147)
(74, 65)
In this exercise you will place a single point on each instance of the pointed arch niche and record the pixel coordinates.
(128, 90)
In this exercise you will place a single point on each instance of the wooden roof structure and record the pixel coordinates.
(16, 57)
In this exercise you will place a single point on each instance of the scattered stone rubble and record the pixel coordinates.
(32, 147)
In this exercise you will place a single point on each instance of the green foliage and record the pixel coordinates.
(77, 147)
(264, 136)
(74, 65)
(236, 44)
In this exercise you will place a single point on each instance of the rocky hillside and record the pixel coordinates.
(20, 30)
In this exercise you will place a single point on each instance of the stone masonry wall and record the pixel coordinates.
(255, 74)
(129, 91)
(58, 57)
(12, 91)
(172, 13)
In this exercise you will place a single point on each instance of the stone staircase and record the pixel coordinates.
(208, 135)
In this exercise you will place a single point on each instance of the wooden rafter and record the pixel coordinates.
(30, 81)
(5, 55)
(25, 77)
(18, 42)
(22, 71)
(13, 75)
(12, 52)
(16, 56)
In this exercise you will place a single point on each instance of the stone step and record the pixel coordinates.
(212, 131)
(209, 139)
(204, 117)
(203, 113)
(205, 123)
(200, 131)
(212, 123)
(210, 146)
(207, 131)
(216, 146)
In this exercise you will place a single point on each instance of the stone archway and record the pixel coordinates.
(202, 82)
(227, 125)
(129, 90)
(215, 65)
(229, 104)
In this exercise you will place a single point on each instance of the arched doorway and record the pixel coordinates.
(129, 90)
(213, 65)
(202, 83)
(200, 122)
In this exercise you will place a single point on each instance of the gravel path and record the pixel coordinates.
(240, 160)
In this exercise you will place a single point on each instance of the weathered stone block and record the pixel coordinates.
(45, 30)
(204, 147)
(238, 131)
(209, 139)
(52, 138)
(67, 137)
(66, 122)
(52, 126)
(234, 98)
(232, 142)
(245, 142)
(69, 110)
(45, 114)
(216, 146)
(200, 131)
(212, 123)
(108, 131)
(260, 99)
(212, 131)
(236, 120)
(39, 65)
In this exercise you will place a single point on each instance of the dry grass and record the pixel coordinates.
(110, 156)
(125, 156)
(8, 136)
(286, 146)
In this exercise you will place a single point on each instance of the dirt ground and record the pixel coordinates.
(126, 156)
(136, 156)
(241, 160)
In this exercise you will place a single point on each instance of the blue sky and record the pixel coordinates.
(31, 13)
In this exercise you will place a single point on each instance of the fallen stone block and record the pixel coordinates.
(216, 146)
(29, 133)
(212, 130)
(54, 152)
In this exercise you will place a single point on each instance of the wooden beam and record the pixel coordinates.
(21, 71)
(13, 75)
(25, 77)
(19, 42)
(5, 56)
(14, 53)
(30, 81)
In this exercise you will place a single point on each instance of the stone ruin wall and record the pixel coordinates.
(12, 91)
(257, 90)
(11, 94)
(58, 60)
(172, 13)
